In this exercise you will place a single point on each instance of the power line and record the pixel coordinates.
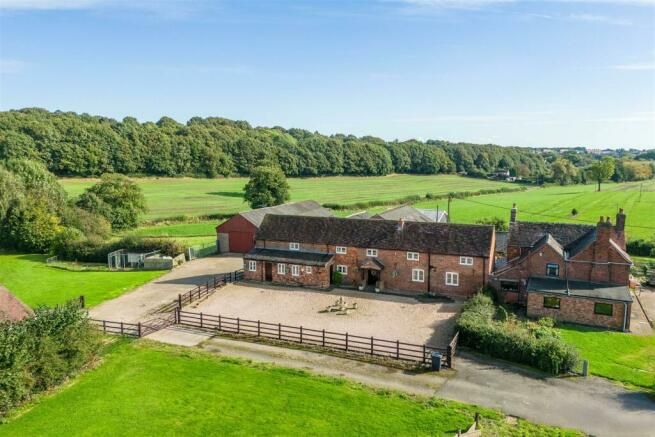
(548, 215)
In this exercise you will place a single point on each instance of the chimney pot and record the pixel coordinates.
(512, 213)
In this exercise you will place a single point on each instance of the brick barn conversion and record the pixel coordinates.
(410, 257)
(572, 272)
(238, 233)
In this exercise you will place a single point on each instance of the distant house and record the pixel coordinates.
(238, 233)
(404, 256)
(501, 173)
(412, 214)
(11, 308)
(572, 272)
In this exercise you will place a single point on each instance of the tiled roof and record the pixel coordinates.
(525, 234)
(12, 308)
(290, 256)
(359, 215)
(438, 238)
(436, 215)
(306, 207)
(583, 289)
(501, 241)
(403, 212)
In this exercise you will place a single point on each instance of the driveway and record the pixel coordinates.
(594, 405)
(137, 304)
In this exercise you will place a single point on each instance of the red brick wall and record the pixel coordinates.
(397, 272)
(577, 310)
(319, 277)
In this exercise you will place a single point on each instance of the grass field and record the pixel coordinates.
(555, 204)
(626, 358)
(29, 278)
(174, 197)
(168, 197)
(145, 389)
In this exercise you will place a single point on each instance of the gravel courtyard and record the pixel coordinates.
(382, 316)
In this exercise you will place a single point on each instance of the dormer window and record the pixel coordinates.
(552, 269)
(294, 246)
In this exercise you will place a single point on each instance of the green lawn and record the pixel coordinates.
(29, 278)
(168, 197)
(559, 201)
(626, 358)
(145, 389)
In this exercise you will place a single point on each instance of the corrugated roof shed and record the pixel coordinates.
(579, 289)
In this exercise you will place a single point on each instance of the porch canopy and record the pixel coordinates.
(289, 256)
(582, 289)
(371, 264)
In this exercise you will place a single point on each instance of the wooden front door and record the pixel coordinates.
(268, 272)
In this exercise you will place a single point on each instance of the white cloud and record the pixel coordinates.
(645, 66)
(600, 19)
(11, 66)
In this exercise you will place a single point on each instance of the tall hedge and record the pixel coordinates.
(538, 347)
(40, 352)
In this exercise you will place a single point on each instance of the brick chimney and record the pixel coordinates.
(619, 229)
(599, 270)
(512, 214)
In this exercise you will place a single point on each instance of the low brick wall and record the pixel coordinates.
(578, 310)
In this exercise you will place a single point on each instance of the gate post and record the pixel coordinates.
(138, 325)
(179, 301)
(449, 357)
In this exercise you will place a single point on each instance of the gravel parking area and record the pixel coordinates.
(382, 316)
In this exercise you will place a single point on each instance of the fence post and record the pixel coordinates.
(219, 323)
(323, 342)
(82, 305)
(301, 334)
(201, 324)
(238, 326)
(179, 301)
(371, 345)
(346, 342)
(258, 328)
(104, 326)
(177, 315)
(279, 331)
(449, 356)
(424, 353)
(397, 349)
(138, 327)
(121, 327)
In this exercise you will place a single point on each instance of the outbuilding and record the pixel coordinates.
(237, 234)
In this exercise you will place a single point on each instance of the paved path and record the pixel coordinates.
(135, 305)
(594, 405)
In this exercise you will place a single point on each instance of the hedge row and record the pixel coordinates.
(418, 198)
(534, 344)
(641, 247)
(42, 351)
(90, 250)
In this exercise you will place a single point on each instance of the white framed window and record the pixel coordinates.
(452, 278)
(308, 270)
(294, 246)
(371, 252)
(412, 256)
(418, 275)
(252, 266)
(342, 250)
(466, 260)
(281, 269)
(342, 269)
(295, 270)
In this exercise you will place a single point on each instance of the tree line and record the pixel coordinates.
(71, 144)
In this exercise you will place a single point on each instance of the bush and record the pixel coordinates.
(641, 247)
(536, 344)
(574, 212)
(82, 249)
(42, 351)
(337, 277)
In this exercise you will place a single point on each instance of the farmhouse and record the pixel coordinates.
(238, 233)
(572, 272)
(410, 257)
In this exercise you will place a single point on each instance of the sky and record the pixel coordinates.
(557, 73)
